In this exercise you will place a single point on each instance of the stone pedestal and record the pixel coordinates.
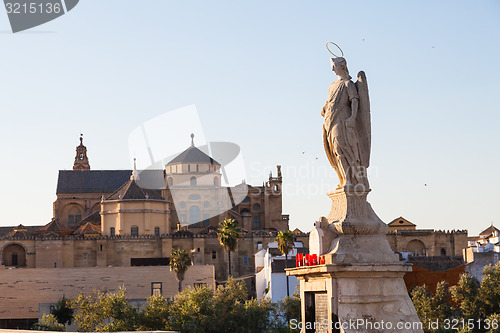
(360, 288)
(355, 298)
(354, 232)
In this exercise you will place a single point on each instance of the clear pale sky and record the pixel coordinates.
(258, 73)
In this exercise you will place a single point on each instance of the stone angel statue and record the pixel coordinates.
(347, 128)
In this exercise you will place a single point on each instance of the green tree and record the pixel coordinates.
(466, 295)
(49, 322)
(179, 264)
(193, 311)
(229, 301)
(285, 240)
(490, 289)
(155, 315)
(63, 311)
(109, 312)
(228, 233)
(422, 300)
(441, 308)
(494, 322)
(260, 316)
(290, 309)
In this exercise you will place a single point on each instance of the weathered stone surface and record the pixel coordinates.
(373, 296)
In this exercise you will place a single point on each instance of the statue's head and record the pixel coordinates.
(339, 66)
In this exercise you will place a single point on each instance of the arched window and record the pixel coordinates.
(189, 167)
(192, 181)
(216, 181)
(276, 188)
(74, 213)
(256, 207)
(256, 222)
(443, 252)
(194, 214)
(134, 231)
(14, 255)
(112, 231)
(170, 181)
(416, 247)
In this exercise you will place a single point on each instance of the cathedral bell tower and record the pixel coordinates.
(81, 159)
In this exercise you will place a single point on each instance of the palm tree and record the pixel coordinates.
(285, 241)
(228, 234)
(179, 264)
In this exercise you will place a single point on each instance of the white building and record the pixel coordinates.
(270, 277)
(483, 250)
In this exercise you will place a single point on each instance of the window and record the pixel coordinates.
(247, 199)
(214, 255)
(256, 222)
(81, 156)
(443, 252)
(199, 284)
(194, 214)
(276, 188)
(134, 231)
(245, 260)
(73, 219)
(156, 288)
(216, 181)
(150, 261)
(85, 257)
(100, 247)
(256, 207)
(192, 181)
(189, 167)
(197, 168)
(194, 197)
(170, 181)
(206, 204)
(112, 232)
(157, 231)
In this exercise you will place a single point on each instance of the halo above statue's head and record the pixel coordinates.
(336, 61)
(336, 56)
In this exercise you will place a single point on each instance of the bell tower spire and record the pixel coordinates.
(81, 159)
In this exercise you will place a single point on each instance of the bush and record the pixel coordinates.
(49, 323)
(63, 311)
(473, 301)
(199, 309)
(108, 312)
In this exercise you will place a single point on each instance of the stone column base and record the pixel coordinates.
(356, 298)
